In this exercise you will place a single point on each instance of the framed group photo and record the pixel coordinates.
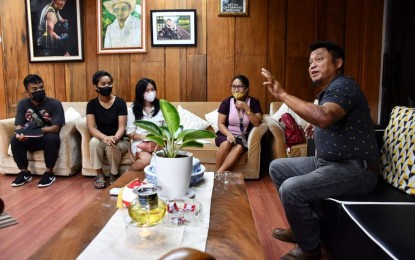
(173, 27)
(121, 26)
(233, 7)
(59, 40)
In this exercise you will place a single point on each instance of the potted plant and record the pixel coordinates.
(173, 166)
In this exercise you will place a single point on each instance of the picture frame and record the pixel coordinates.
(233, 7)
(173, 27)
(132, 19)
(64, 43)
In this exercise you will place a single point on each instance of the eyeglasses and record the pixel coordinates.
(237, 87)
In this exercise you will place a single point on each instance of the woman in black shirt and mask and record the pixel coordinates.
(106, 117)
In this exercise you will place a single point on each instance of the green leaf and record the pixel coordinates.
(171, 116)
(149, 126)
(191, 144)
(157, 139)
(198, 134)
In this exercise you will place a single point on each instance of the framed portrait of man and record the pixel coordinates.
(121, 26)
(54, 30)
(233, 7)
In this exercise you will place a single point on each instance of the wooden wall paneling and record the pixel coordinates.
(196, 78)
(3, 112)
(353, 33)
(90, 49)
(251, 47)
(125, 77)
(330, 20)
(220, 49)
(15, 53)
(172, 73)
(291, 27)
(61, 72)
(77, 81)
(276, 14)
(196, 88)
(175, 61)
(372, 55)
(300, 33)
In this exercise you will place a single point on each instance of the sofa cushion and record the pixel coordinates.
(71, 114)
(397, 153)
(190, 120)
(285, 109)
(212, 118)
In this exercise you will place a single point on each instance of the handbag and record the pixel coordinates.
(294, 133)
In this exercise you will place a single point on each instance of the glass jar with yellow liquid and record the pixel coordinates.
(147, 210)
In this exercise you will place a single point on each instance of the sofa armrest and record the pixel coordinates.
(6, 132)
(67, 130)
(279, 148)
(254, 140)
(256, 134)
(85, 138)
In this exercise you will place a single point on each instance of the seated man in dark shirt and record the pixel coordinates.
(37, 112)
(346, 160)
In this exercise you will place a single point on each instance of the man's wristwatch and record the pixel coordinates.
(249, 112)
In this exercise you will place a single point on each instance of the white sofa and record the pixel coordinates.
(74, 152)
(69, 159)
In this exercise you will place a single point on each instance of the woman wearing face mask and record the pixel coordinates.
(145, 107)
(237, 115)
(106, 118)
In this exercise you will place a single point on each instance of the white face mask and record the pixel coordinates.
(150, 96)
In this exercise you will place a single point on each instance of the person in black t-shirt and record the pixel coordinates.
(106, 118)
(42, 113)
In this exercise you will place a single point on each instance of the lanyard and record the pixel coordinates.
(241, 127)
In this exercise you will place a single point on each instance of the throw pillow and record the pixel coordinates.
(71, 114)
(285, 109)
(191, 121)
(212, 118)
(397, 154)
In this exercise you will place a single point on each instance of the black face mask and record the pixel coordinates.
(105, 91)
(39, 95)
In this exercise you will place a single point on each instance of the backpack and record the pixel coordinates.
(294, 133)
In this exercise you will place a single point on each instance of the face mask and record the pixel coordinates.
(239, 95)
(39, 95)
(150, 96)
(105, 91)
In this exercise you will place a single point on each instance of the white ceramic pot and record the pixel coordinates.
(173, 175)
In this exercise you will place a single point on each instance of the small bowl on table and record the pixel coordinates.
(196, 177)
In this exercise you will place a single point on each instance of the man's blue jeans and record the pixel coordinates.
(303, 181)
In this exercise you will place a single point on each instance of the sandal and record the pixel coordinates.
(100, 182)
(114, 177)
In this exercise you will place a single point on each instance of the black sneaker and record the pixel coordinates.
(46, 180)
(22, 178)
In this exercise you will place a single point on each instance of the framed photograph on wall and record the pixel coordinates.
(173, 27)
(54, 30)
(121, 26)
(233, 7)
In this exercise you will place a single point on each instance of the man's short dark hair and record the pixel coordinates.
(32, 79)
(334, 49)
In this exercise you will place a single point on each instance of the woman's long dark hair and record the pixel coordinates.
(138, 104)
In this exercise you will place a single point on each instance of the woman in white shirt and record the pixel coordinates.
(145, 107)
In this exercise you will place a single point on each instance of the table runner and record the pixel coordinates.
(117, 240)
